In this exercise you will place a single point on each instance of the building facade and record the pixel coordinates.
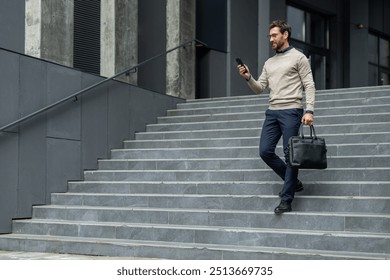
(347, 41)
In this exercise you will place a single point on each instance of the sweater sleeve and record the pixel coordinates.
(261, 84)
(308, 82)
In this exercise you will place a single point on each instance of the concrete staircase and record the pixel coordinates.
(193, 187)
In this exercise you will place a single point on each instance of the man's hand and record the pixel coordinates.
(244, 71)
(308, 119)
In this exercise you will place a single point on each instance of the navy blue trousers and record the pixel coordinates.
(277, 124)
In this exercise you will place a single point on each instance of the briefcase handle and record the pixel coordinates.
(312, 132)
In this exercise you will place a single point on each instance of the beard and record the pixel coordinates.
(277, 45)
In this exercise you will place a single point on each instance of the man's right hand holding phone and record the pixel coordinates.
(243, 69)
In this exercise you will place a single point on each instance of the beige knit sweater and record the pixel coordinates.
(286, 75)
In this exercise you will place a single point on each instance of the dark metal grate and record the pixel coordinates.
(87, 36)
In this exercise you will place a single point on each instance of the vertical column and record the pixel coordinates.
(119, 38)
(33, 22)
(49, 30)
(358, 47)
(181, 63)
(264, 19)
(107, 38)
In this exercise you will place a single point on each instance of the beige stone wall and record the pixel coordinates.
(181, 63)
(49, 30)
(33, 24)
(119, 38)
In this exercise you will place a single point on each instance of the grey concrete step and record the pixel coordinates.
(231, 163)
(226, 202)
(263, 99)
(313, 240)
(262, 106)
(259, 116)
(243, 152)
(330, 174)
(316, 188)
(382, 120)
(171, 250)
(331, 138)
(253, 130)
(350, 222)
(336, 93)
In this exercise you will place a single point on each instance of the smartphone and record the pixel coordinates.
(239, 62)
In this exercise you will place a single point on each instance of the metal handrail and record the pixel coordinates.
(76, 94)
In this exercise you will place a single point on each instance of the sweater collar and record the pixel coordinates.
(285, 49)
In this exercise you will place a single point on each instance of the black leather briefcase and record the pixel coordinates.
(307, 152)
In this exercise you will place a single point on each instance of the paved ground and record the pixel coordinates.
(17, 255)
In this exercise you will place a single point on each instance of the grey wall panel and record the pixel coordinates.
(12, 25)
(9, 179)
(94, 139)
(33, 83)
(32, 136)
(63, 164)
(141, 103)
(64, 121)
(9, 87)
(32, 165)
(161, 102)
(118, 114)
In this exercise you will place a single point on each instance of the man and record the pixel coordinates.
(286, 74)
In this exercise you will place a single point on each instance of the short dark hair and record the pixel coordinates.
(283, 26)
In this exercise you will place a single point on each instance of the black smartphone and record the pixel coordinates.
(239, 62)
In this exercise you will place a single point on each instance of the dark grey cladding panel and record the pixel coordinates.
(33, 84)
(64, 121)
(94, 126)
(63, 164)
(146, 106)
(9, 87)
(9, 179)
(118, 114)
(12, 25)
(141, 104)
(32, 165)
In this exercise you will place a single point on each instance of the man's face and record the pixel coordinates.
(277, 39)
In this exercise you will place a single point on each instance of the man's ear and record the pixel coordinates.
(285, 35)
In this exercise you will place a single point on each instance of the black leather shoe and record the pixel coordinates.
(284, 206)
(298, 188)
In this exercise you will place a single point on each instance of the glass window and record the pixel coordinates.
(296, 19)
(384, 52)
(308, 27)
(385, 79)
(318, 30)
(372, 75)
(372, 48)
(379, 60)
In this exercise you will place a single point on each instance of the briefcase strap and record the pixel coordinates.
(312, 132)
